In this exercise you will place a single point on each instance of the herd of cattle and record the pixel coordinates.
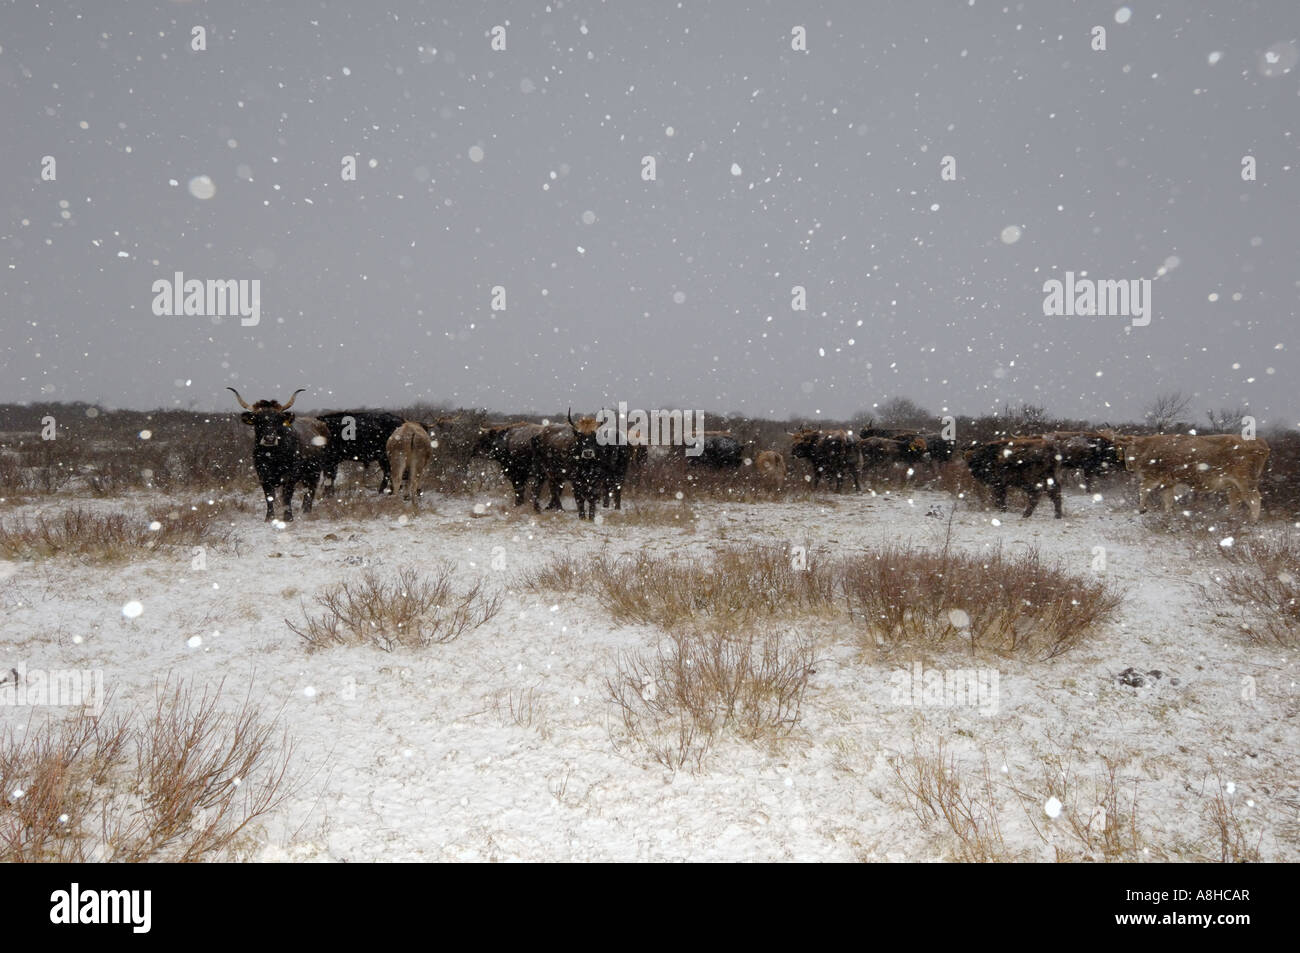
(289, 449)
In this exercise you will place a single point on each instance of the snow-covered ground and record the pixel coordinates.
(414, 755)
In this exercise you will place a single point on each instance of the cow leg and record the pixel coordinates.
(287, 500)
(1033, 502)
(1253, 501)
(1144, 492)
(331, 474)
(857, 487)
(1167, 498)
(268, 491)
(1000, 496)
(309, 492)
(557, 489)
(1054, 493)
(618, 496)
(387, 482)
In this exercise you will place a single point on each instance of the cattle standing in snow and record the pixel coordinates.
(1028, 463)
(719, 451)
(287, 450)
(831, 453)
(361, 436)
(1210, 462)
(1091, 453)
(512, 446)
(410, 448)
(770, 465)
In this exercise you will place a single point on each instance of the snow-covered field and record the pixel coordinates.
(414, 755)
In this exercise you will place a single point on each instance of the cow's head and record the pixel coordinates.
(586, 446)
(803, 442)
(269, 419)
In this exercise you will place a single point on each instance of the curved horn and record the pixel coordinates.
(293, 398)
(570, 416)
(238, 398)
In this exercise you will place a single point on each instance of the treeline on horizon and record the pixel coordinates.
(1168, 413)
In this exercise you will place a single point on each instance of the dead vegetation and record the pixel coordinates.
(676, 701)
(1014, 604)
(180, 782)
(936, 791)
(1088, 815)
(406, 610)
(995, 603)
(108, 537)
(1261, 582)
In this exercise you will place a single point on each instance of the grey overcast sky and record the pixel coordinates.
(775, 167)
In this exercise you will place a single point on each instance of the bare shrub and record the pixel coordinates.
(936, 791)
(678, 700)
(1099, 823)
(409, 610)
(178, 784)
(998, 603)
(1005, 604)
(736, 587)
(1263, 582)
(112, 536)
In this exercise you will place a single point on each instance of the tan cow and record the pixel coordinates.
(409, 451)
(770, 465)
(1213, 463)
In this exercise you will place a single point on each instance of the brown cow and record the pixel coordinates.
(770, 465)
(410, 448)
(1211, 462)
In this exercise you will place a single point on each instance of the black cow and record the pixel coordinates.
(361, 436)
(287, 450)
(512, 446)
(616, 461)
(829, 452)
(1089, 452)
(719, 451)
(1029, 463)
(572, 453)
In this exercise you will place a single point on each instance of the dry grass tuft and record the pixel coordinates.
(696, 685)
(1263, 581)
(180, 783)
(995, 603)
(1228, 829)
(936, 791)
(113, 536)
(737, 587)
(410, 610)
(999, 603)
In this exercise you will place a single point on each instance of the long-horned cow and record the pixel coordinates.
(287, 450)
(410, 448)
